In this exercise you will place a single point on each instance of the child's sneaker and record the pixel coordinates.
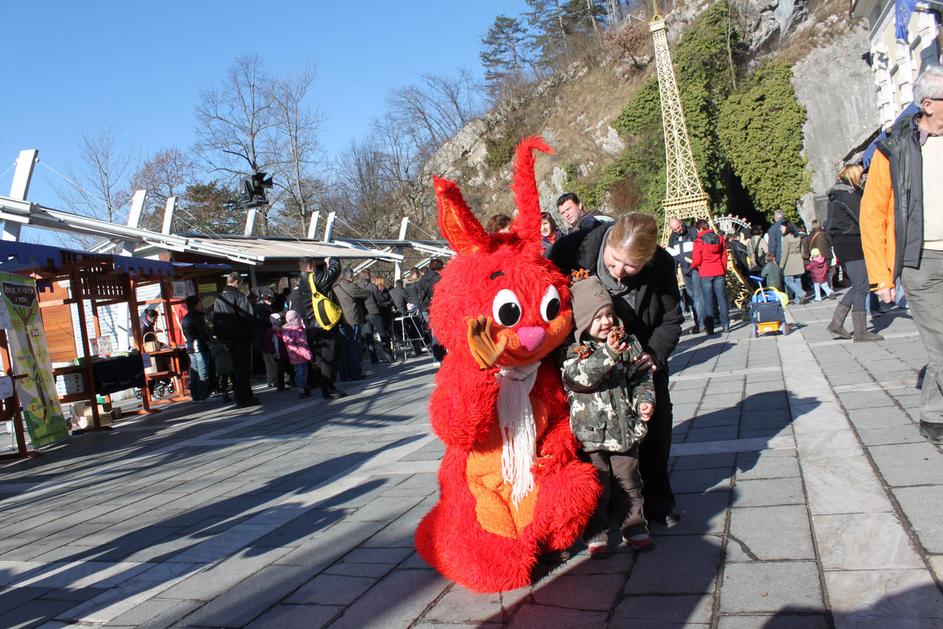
(598, 545)
(640, 541)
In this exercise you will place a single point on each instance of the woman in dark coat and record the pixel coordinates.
(844, 206)
(640, 276)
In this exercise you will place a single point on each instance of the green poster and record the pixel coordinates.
(19, 316)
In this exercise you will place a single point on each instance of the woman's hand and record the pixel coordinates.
(645, 410)
(646, 363)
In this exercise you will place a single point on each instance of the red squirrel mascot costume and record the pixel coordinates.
(510, 483)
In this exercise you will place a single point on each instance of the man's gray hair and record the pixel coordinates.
(779, 215)
(929, 84)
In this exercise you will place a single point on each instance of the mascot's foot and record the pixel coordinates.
(461, 551)
(567, 498)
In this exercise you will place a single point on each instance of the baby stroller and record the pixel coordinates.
(768, 310)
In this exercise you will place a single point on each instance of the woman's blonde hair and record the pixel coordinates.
(636, 235)
(851, 174)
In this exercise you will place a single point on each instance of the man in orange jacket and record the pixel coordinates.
(902, 230)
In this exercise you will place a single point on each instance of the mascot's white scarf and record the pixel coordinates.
(518, 428)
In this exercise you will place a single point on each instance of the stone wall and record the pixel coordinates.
(835, 86)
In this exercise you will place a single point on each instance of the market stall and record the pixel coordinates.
(88, 283)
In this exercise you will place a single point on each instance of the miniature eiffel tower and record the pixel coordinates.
(684, 196)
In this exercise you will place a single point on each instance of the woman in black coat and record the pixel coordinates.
(640, 276)
(844, 206)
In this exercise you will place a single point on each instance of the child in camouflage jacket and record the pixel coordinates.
(610, 404)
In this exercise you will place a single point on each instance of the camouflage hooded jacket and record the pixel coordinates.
(605, 392)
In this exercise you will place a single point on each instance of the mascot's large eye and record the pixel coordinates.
(506, 308)
(550, 304)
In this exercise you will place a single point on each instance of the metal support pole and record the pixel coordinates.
(25, 163)
(313, 225)
(250, 222)
(169, 208)
(329, 227)
(398, 266)
(134, 219)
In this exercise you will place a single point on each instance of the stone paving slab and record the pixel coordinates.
(792, 456)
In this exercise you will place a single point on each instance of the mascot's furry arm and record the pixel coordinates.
(510, 484)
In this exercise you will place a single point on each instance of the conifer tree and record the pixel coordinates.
(503, 56)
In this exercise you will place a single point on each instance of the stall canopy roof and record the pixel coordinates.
(270, 249)
(22, 256)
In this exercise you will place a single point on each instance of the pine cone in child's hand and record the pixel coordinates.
(619, 334)
(576, 276)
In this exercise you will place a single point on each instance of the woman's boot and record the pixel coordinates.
(837, 326)
(859, 320)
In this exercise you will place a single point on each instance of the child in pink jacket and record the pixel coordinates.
(818, 268)
(295, 339)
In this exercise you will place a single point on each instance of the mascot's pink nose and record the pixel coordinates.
(531, 337)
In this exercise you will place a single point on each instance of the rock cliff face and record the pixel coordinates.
(575, 109)
(836, 88)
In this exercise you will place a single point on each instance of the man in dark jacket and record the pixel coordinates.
(398, 295)
(681, 248)
(324, 344)
(374, 331)
(234, 324)
(197, 334)
(648, 303)
(775, 234)
(426, 286)
(905, 190)
(352, 299)
(571, 211)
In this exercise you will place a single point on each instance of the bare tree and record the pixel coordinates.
(98, 187)
(296, 127)
(235, 122)
(166, 174)
(435, 109)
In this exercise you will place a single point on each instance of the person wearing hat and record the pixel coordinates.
(819, 270)
(611, 401)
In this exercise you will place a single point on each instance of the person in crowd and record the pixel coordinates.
(844, 227)
(398, 297)
(275, 347)
(819, 239)
(295, 339)
(426, 285)
(234, 324)
(148, 321)
(790, 261)
(411, 286)
(774, 236)
(352, 300)
(710, 261)
(571, 210)
(499, 224)
(222, 359)
(374, 332)
(737, 246)
(640, 277)
(681, 247)
(548, 231)
(198, 336)
(758, 249)
(386, 313)
(263, 311)
(324, 344)
(819, 269)
(611, 403)
(772, 275)
(902, 230)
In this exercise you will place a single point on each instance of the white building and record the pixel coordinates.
(896, 64)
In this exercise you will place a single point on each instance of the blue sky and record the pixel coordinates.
(139, 68)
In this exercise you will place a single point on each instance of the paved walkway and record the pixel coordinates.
(809, 500)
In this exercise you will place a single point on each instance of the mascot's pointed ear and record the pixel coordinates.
(526, 197)
(456, 221)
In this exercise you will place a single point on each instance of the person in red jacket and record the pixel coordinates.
(710, 261)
